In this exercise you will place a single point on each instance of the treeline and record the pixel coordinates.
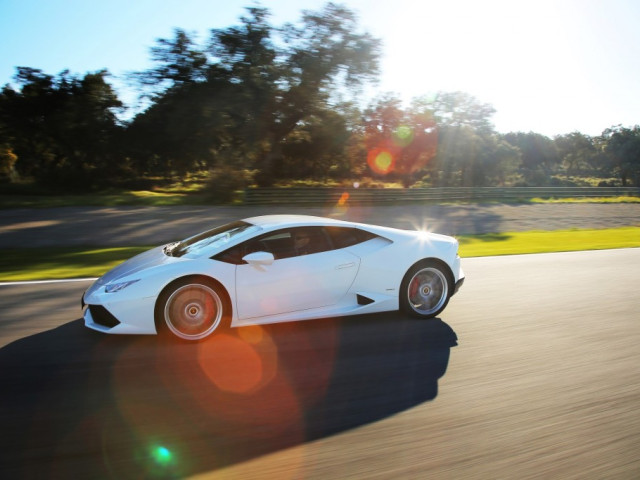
(258, 104)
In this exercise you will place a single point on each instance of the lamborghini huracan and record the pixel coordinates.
(275, 268)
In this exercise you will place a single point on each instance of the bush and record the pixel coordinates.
(225, 181)
(8, 160)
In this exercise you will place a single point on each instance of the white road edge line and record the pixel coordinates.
(41, 282)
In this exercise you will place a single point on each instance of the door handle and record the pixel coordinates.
(346, 265)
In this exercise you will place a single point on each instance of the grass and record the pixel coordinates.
(162, 198)
(195, 189)
(23, 264)
(513, 243)
(587, 200)
(134, 197)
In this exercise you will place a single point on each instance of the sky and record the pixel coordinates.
(547, 66)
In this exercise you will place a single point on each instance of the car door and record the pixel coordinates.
(294, 281)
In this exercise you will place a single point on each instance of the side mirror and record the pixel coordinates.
(258, 259)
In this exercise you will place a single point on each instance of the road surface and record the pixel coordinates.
(533, 371)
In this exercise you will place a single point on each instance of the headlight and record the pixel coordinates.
(116, 287)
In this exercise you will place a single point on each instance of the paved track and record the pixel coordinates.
(155, 225)
(531, 372)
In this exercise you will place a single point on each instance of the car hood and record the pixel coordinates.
(150, 258)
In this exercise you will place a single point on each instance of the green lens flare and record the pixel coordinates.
(404, 132)
(162, 455)
(384, 161)
(403, 135)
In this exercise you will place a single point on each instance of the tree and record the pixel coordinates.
(538, 153)
(457, 109)
(316, 148)
(254, 92)
(469, 153)
(179, 62)
(623, 148)
(399, 142)
(578, 153)
(63, 129)
(324, 51)
(447, 139)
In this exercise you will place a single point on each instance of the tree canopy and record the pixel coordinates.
(261, 103)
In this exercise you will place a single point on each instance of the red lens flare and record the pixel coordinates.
(381, 160)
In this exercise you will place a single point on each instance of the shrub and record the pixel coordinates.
(225, 181)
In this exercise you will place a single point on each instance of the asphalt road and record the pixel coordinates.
(533, 371)
(127, 226)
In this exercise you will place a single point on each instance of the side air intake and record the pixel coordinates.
(362, 300)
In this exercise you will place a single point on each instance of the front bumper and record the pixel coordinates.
(118, 315)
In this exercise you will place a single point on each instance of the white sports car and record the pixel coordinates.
(275, 268)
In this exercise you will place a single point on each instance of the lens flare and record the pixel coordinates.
(161, 455)
(403, 135)
(381, 160)
(252, 334)
(340, 208)
(242, 373)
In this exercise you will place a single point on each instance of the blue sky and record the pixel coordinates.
(549, 66)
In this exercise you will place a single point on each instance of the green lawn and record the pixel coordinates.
(587, 200)
(513, 243)
(133, 198)
(19, 264)
(58, 263)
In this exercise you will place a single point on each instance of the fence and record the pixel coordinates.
(259, 196)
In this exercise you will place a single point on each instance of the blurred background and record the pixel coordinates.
(202, 96)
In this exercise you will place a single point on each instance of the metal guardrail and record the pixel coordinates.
(259, 196)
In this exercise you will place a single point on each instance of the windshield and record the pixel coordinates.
(211, 241)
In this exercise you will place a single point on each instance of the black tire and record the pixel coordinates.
(193, 309)
(425, 289)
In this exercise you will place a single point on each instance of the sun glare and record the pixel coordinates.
(514, 55)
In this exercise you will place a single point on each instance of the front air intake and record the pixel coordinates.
(102, 316)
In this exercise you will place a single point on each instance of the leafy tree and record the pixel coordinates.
(448, 139)
(578, 153)
(469, 152)
(538, 153)
(457, 109)
(179, 62)
(322, 51)
(316, 147)
(63, 129)
(259, 89)
(399, 142)
(623, 148)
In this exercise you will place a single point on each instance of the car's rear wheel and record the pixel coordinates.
(425, 289)
(194, 309)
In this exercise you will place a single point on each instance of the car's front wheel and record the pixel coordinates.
(425, 289)
(194, 309)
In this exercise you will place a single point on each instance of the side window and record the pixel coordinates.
(286, 243)
(308, 240)
(235, 254)
(232, 255)
(279, 243)
(343, 237)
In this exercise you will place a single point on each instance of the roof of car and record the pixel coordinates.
(279, 221)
